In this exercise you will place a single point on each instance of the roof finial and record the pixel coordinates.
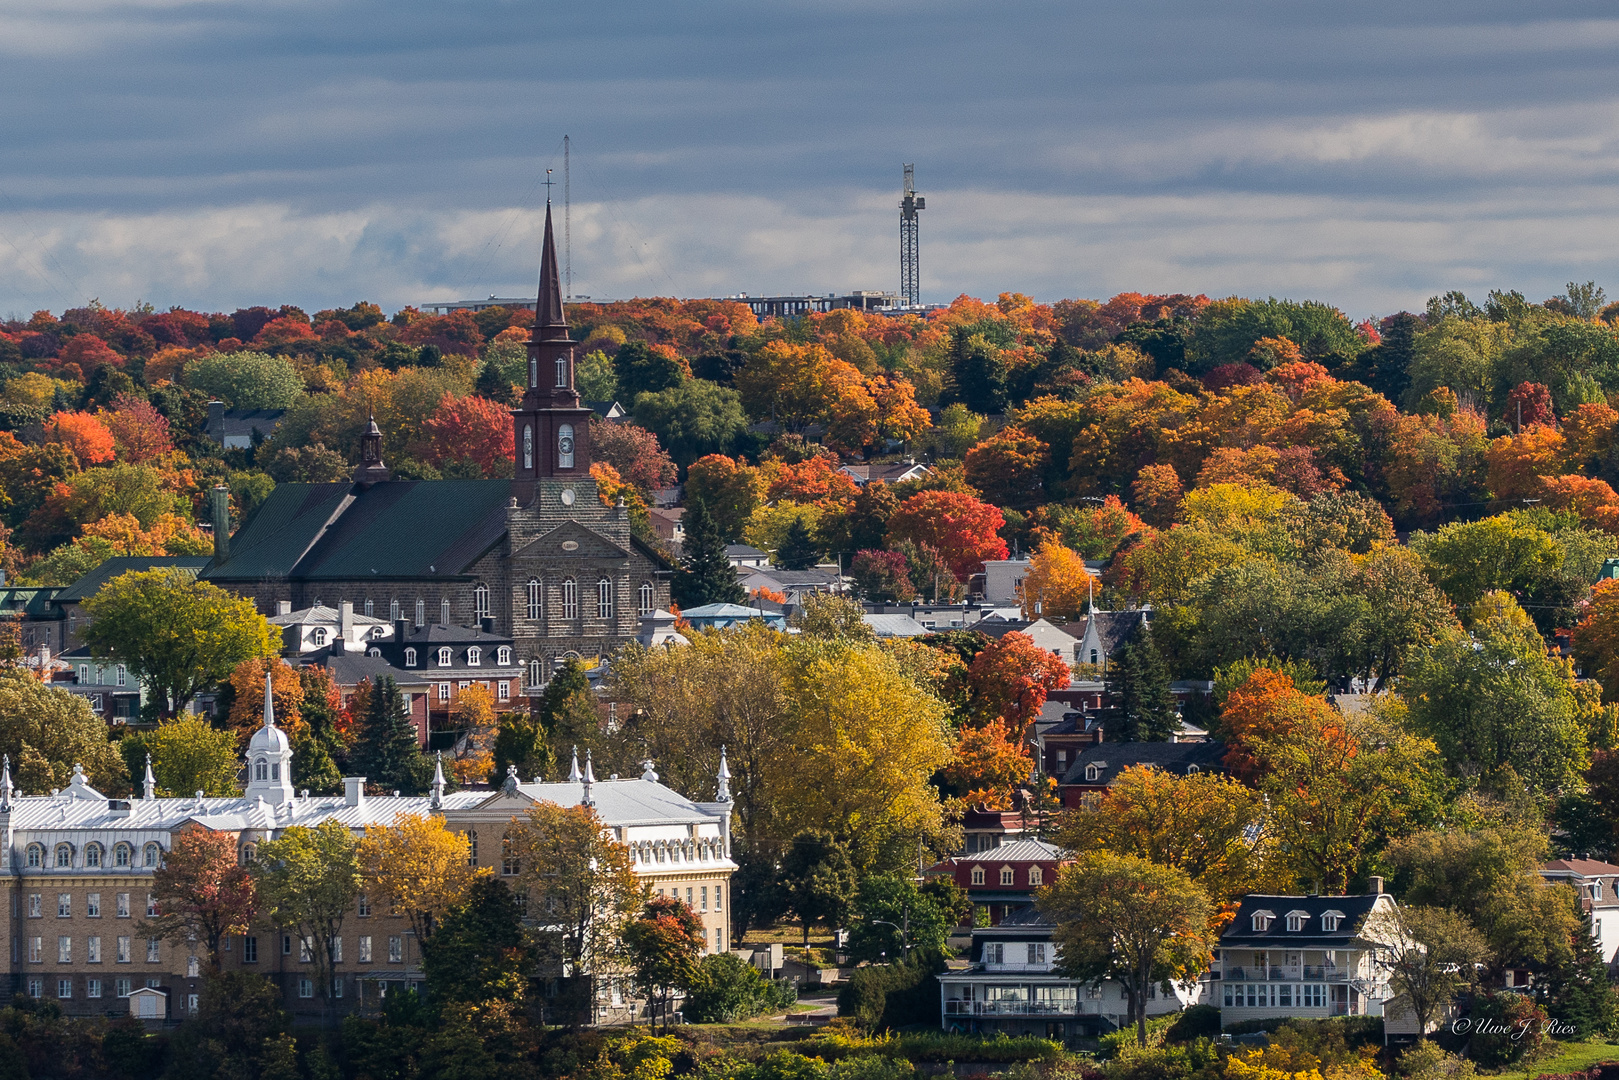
(5, 785)
(149, 783)
(648, 772)
(574, 776)
(724, 793)
(269, 699)
(589, 779)
(510, 786)
(438, 781)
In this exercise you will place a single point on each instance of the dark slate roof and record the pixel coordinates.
(1113, 627)
(246, 421)
(440, 634)
(1240, 933)
(33, 601)
(91, 583)
(1171, 757)
(348, 669)
(398, 529)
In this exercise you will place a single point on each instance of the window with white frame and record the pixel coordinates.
(480, 601)
(92, 905)
(1330, 921)
(536, 672)
(123, 905)
(306, 988)
(643, 596)
(1008, 876)
(474, 657)
(1035, 876)
(92, 856)
(445, 657)
(152, 945)
(64, 856)
(33, 906)
(410, 657)
(393, 611)
(64, 949)
(444, 612)
(365, 949)
(1295, 921)
(36, 856)
(994, 952)
(1037, 952)
(151, 906)
(92, 949)
(570, 599)
(120, 855)
(36, 950)
(122, 675)
(64, 905)
(368, 609)
(978, 875)
(421, 612)
(396, 949)
(503, 656)
(363, 906)
(503, 691)
(153, 856)
(123, 954)
(604, 599)
(317, 636)
(92, 988)
(1262, 921)
(64, 988)
(121, 987)
(533, 599)
(444, 691)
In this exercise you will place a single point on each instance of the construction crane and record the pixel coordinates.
(910, 283)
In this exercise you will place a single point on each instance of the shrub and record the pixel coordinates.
(1503, 1028)
(729, 988)
(1198, 1022)
(1161, 1062)
(894, 995)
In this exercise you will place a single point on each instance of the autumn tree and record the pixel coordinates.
(1431, 953)
(1596, 638)
(663, 945)
(574, 871)
(46, 732)
(1121, 917)
(475, 717)
(1208, 825)
(1011, 678)
(1057, 584)
(882, 576)
(140, 433)
(188, 755)
(1157, 492)
(730, 490)
(988, 764)
(176, 634)
(1529, 404)
(473, 430)
(417, 867)
(1010, 468)
(84, 434)
(962, 529)
(634, 452)
(247, 698)
(203, 891)
(308, 880)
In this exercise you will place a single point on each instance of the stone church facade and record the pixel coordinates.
(537, 557)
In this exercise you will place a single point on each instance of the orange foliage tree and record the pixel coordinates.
(1596, 638)
(1265, 708)
(1157, 492)
(84, 434)
(1057, 582)
(964, 530)
(287, 691)
(140, 432)
(731, 491)
(988, 764)
(1517, 462)
(472, 429)
(170, 534)
(815, 480)
(1010, 468)
(1011, 679)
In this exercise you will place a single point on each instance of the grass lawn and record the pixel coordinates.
(1566, 1058)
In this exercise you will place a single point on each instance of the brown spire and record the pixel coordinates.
(548, 313)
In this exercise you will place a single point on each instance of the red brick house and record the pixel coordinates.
(1003, 879)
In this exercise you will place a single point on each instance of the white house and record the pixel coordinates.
(1598, 885)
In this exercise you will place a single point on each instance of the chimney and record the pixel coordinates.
(1377, 885)
(487, 624)
(399, 631)
(283, 607)
(216, 421)
(221, 506)
(345, 619)
(354, 791)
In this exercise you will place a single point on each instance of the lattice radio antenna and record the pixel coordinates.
(910, 284)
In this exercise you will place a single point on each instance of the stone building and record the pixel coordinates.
(539, 555)
(77, 868)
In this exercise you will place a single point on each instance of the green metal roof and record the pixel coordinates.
(91, 583)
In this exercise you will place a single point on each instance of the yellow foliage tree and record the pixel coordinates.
(474, 714)
(287, 691)
(417, 867)
(1058, 581)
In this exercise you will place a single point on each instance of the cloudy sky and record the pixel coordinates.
(218, 154)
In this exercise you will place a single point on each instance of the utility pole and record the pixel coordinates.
(910, 286)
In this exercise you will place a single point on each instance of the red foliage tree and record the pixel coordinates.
(1529, 404)
(634, 452)
(140, 431)
(471, 429)
(89, 353)
(203, 891)
(83, 434)
(285, 331)
(1011, 679)
(964, 530)
(988, 765)
(1229, 375)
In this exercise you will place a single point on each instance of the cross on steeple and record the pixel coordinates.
(549, 184)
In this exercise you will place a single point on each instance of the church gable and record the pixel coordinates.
(568, 541)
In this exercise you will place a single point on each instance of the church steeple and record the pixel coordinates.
(551, 427)
(371, 470)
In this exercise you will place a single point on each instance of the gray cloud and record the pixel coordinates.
(218, 153)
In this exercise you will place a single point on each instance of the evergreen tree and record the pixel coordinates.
(568, 716)
(318, 746)
(706, 576)
(387, 752)
(1138, 681)
(798, 551)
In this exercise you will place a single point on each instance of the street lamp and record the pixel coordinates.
(902, 931)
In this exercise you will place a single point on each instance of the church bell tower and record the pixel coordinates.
(551, 426)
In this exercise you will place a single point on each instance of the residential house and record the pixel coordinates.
(895, 626)
(1597, 884)
(39, 619)
(240, 429)
(793, 584)
(1303, 956)
(111, 691)
(610, 411)
(744, 557)
(1101, 633)
(1097, 766)
(666, 525)
(320, 628)
(1062, 733)
(453, 658)
(933, 617)
(1002, 879)
(1003, 580)
(1046, 635)
(719, 616)
(985, 830)
(1012, 987)
(885, 472)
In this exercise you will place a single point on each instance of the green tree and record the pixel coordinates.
(1494, 701)
(728, 988)
(178, 635)
(979, 371)
(308, 880)
(568, 713)
(46, 732)
(594, 377)
(819, 879)
(892, 918)
(188, 755)
(1121, 917)
(1470, 558)
(479, 951)
(798, 551)
(830, 616)
(521, 744)
(317, 745)
(663, 947)
(386, 748)
(692, 419)
(1139, 681)
(640, 370)
(240, 1031)
(706, 575)
(246, 380)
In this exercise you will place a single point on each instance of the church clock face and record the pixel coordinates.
(565, 444)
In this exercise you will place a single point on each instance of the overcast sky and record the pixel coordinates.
(218, 154)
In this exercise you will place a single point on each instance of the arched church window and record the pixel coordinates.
(565, 446)
(536, 671)
(570, 599)
(480, 601)
(421, 612)
(562, 372)
(444, 613)
(644, 596)
(604, 599)
(533, 599)
(393, 611)
(528, 445)
(369, 608)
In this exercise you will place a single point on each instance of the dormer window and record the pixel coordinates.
(1262, 921)
(1295, 921)
(444, 658)
(120, 855)
(317, 636)
(1192, 769)
(92, 855)
(1330, 921)
(978, 875)
(64, 856)
(36, 856)
(1008, 876)
(503, 656)
(378, 633)
(1596, 889)
(474, 657)
(410, 657)
(153, 855)
(994, 952)
(1034, 875)
(1093, 772)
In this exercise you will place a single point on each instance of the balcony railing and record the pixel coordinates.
(955, 1007)
(1305, 972)
(1037, 968)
